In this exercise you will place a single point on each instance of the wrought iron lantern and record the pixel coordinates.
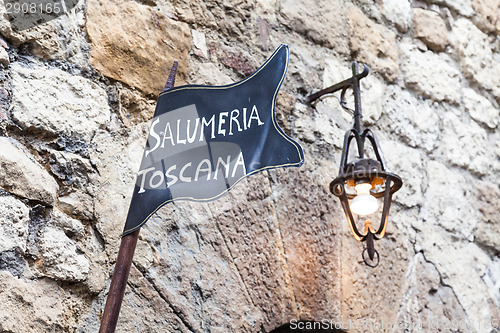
(362, 181)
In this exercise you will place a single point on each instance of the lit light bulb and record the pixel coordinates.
(364, 203)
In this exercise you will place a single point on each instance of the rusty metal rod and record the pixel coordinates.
(124, 261)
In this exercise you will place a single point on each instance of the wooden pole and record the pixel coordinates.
(124, 261)
(119, 282)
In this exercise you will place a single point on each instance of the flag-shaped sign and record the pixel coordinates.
(205, 139)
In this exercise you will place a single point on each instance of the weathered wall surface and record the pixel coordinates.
(76, 97)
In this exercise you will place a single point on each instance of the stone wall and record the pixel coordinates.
(77, 94)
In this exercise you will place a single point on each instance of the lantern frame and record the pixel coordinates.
(362, 170)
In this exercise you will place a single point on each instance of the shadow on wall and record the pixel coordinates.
(306, 327)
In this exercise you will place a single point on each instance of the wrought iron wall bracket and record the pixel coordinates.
(351, 83)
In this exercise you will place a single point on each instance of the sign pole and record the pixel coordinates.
(119, 282)
(124, 262)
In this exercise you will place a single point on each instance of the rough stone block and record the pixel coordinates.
(476, 56)
(321, 22)
(137, 45)
(238, 60)
(97, 278)
(309, 224)
(22, 176)
(77, 204)
(480, 108)
(155, 315)
(398, 12)
(60, 258)
(277, 247)
(70, 226)
(4, 57)
(488, 231)
(55, 102)
(463, 144)
(428, 304)
(492, 280)
(32, 306)
(200, 43)
(203, 272)
(134, 108)
(359, 281)
(426, 71)
(117, 160)
(14, 222)
(430, 28)
(61, 38)
(463, 7)
(72, 170)
(449, 202)
(486, 14)
(373, 44)
(13, 262)
(231, 17)
(410, 194)
(252, 235)
(211, 74)
(456, 259)
(401, 108)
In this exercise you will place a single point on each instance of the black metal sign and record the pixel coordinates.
(205, 139)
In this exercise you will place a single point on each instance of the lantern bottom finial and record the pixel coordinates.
(370, 246)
